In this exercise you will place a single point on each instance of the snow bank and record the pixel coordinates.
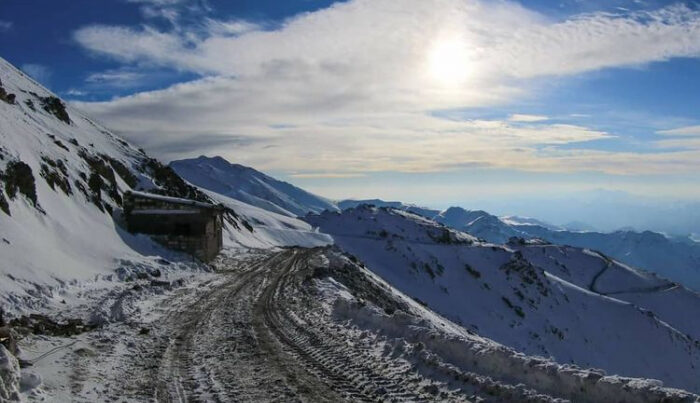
(9, 376)
(481, 356)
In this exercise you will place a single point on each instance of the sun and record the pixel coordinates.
(448, 62)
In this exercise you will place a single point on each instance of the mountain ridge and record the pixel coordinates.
(250, 185)
(674, 258)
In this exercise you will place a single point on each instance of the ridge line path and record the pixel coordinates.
(632, 290)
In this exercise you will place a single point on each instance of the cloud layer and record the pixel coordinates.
(349, 89)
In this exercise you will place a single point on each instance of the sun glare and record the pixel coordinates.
(448, 62)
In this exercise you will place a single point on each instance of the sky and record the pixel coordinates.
(436, 102)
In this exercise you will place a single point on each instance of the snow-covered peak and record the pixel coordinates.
(517, 220)
(251, 186)
(366, 221)
(423, 211)
(478, 223)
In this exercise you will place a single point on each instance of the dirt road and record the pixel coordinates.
(303, 325)
(262, 334)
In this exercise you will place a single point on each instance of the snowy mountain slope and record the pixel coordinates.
(265, 229)
(478, 223)
(670, 302)
(465, 350)
(62, 177)
(671, 258)
(250, 186)
(676, 260)
(535, 306)
(517, 220)
(425, 212)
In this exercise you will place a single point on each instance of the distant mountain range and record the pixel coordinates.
(250, 186)
(676, 258)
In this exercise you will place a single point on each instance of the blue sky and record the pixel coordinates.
(431, 101)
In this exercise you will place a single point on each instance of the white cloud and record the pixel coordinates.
(503, 39)
(172, 10)
(116, 78)
(5, 25)
(127, 45)
(230, 27)
(167, 13)
(682, 131)
(75, 92)
(517, 117)
(685, 138)
(348, 89)
(38, 72)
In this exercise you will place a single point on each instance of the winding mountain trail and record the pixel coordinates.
(594, 280)
(641, 290)
(258, 335)
(309, 325)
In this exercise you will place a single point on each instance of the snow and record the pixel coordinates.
(535, 299)
(355, 340)
(9, 376)
(487, 362)
(174, 200)
(269, 229)
(675, 258)
(67, 241)
(73, 240)
(412, 208)
(517, 220)
(250, 186)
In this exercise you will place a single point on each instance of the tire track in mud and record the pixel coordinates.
(354, 380)
(217, 356)
(175, 380)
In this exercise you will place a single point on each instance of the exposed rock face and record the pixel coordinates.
(55, 107)
(5, 96)
(19, 178)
